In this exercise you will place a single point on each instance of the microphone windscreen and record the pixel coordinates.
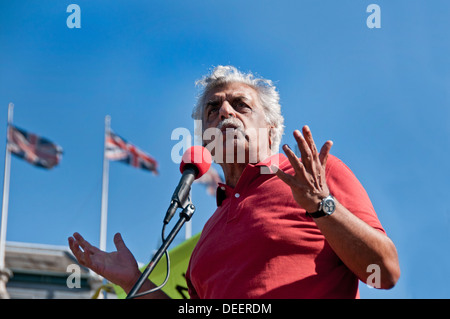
(197, 156)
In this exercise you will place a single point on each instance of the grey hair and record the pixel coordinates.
(267, 92)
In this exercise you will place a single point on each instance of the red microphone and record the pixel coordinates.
(198, 157)
(195, 162)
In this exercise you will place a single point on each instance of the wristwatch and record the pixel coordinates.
(326, 207)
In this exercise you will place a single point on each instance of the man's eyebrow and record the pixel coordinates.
(238, 96)
(213, 101)
(241, 97)
(211, 104)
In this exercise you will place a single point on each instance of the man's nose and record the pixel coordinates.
(226, 111)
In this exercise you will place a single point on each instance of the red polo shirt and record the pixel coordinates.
(259, 243)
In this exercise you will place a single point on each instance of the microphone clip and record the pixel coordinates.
(181, 196)
(174, 205)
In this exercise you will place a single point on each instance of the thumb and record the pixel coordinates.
(118, 242)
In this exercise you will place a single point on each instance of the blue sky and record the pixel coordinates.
(382, 95)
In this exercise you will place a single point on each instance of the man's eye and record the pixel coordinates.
(241, 105)
(212, 110)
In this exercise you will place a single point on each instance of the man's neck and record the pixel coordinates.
(232, 172)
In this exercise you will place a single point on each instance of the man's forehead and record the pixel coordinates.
(232, 90)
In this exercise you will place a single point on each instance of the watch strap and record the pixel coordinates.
(319, 213)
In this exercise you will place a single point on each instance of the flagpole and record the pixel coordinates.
(5, 193)
(5, 273)
(104, 208)
(104, 211)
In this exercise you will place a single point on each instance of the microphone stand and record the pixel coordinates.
(185, 215)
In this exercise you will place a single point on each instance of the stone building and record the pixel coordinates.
(38, 271)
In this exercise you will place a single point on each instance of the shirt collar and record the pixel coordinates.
(278, 160)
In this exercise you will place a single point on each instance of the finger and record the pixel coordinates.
(324, 151)
(304, 149)
(87, 247)
(118, 242)
(74, 247)
(315, 166)
(309, 139)
(287, 178)
(293, 159)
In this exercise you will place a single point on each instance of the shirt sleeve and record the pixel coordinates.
(347, 189)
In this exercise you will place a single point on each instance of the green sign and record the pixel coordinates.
(176, 286)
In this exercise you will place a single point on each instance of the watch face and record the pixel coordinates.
(329, 206)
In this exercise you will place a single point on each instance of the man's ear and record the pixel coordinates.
(271, 128)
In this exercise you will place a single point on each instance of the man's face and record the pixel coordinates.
(234, 124)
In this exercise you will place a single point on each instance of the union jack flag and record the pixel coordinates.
(34, 149)
(118, 149)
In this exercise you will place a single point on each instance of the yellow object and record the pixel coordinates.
(176, 286)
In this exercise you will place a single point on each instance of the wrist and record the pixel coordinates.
(315, 203)
(129, 284)
(326, 207)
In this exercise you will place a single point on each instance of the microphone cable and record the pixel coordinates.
(167, 270)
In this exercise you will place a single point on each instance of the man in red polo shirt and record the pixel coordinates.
(305, 229)
(260, 244)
